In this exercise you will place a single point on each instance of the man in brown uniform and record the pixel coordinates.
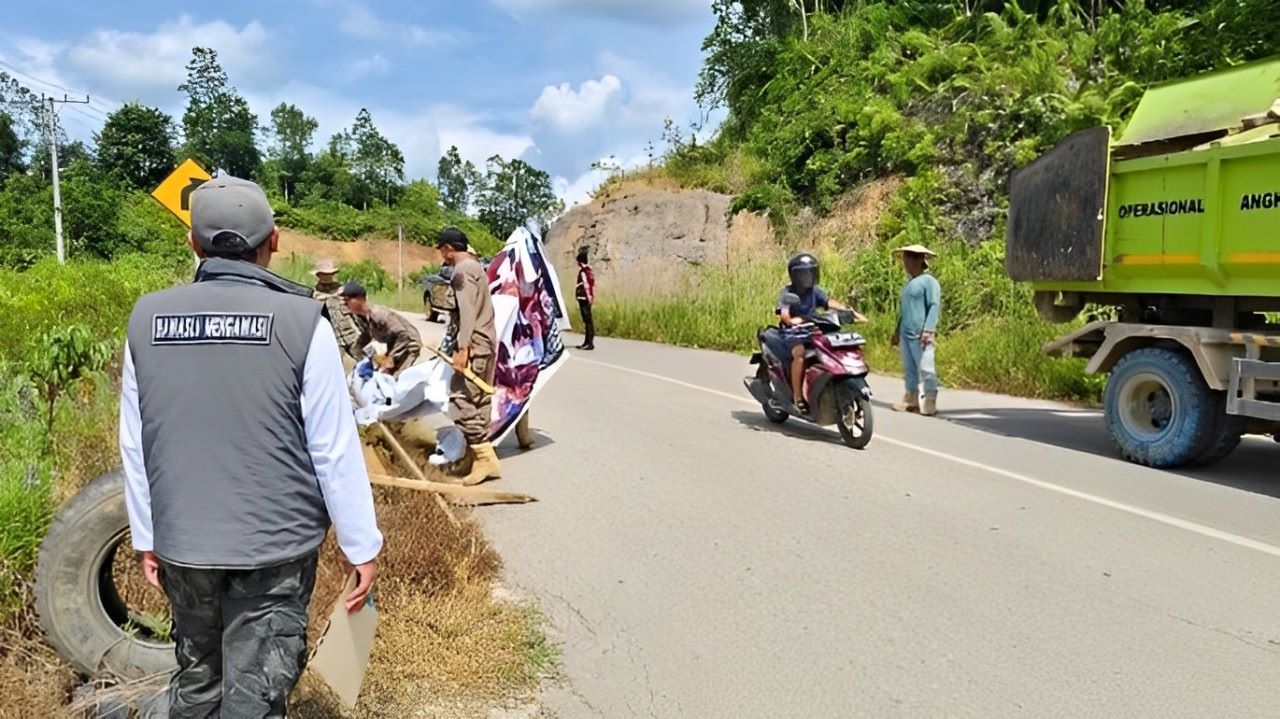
(386, 326)
(476, 344)
(345, 326)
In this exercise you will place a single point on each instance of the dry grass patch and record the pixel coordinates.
(853, 223)
(34, 682)
(445, 647)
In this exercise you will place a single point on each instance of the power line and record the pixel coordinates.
(106, 103)
(96, 111)
(34, 79)
(82, 113)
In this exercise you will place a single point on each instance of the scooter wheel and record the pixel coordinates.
(854, 419)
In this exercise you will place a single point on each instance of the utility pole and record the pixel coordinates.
(52, 120)
(400, 250)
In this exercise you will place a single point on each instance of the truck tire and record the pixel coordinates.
(79, 606)
(1159, 409)
(1225, 436)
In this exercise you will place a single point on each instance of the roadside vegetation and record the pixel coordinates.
(445, 643)
(950, 97)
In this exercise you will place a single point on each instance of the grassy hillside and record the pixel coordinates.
(418, 212)
(948, 101)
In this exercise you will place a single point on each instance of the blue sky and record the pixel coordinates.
(560, 83)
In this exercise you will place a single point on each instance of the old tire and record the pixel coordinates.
(1159, 409)
(79, 608)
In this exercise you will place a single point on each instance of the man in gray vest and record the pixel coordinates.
(240, 448)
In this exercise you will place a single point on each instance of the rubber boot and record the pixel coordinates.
(909, 403)
(485, 466)
(523, 436)
(930, 407)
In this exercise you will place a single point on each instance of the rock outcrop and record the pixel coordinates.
(641, 238)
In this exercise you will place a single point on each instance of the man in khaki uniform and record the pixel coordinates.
(380, 324)
(476, 350)
(345, 326)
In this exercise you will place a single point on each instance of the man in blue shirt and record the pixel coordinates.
(921, 303)
(798, 301)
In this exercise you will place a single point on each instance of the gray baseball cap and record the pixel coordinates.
(229, 214)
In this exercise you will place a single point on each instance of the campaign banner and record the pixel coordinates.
(529, 316)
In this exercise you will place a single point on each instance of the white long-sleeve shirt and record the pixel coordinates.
(332, 442)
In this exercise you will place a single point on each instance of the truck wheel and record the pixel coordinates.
(1225, 436)
(79, 595)
(1159, 409)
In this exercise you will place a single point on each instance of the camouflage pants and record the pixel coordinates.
(471, 405)
(241, 638)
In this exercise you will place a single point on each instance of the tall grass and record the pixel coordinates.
(989, 337)
(298, 268)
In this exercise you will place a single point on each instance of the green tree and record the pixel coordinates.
(514, 193)
(740, 55)
(136, 144)
(459, 181)
(328, 178)
(375, 161)
(12, 148)
(21, 105)
(291, 133)
(69, 153)
(218, 125)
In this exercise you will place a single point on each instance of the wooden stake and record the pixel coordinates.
(413, 467)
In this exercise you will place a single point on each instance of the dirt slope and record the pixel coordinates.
(384, 252)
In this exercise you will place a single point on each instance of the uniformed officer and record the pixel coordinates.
(476, 349)
(345, 326)
(240, 448)
(380, 324)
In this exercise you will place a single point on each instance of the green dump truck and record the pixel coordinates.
(1176, 224)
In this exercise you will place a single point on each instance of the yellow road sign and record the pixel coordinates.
(175, 192)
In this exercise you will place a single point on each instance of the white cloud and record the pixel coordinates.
(478, 143)
(360, 22)
(421, 133)
(567, 110)
(365, 67)
(652, 12)
(579, 190)
(613, 115)
(134, 64)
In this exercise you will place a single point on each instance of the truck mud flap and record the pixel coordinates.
(1057, 207)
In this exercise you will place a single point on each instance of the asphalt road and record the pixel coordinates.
(696, 561)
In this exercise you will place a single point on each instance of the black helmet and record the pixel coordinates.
(803, 270)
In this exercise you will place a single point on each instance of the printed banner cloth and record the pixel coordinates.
(529, 315)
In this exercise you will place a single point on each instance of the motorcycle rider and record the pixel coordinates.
(798, 301)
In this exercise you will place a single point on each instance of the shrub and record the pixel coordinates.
(368, 273)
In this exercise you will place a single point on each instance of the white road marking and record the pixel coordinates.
(1154, 516)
